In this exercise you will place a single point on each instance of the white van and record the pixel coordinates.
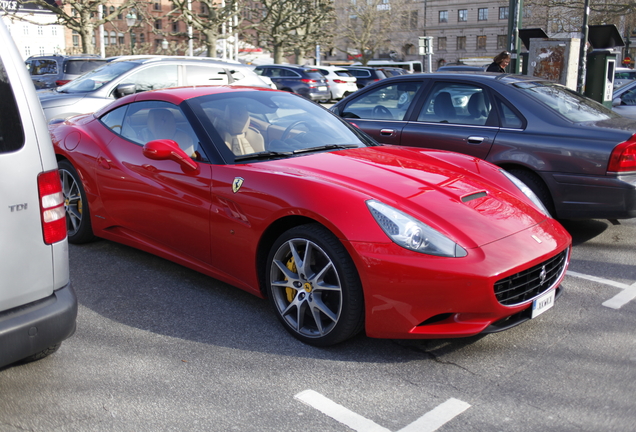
(38, 306)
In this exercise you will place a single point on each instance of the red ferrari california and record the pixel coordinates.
(275, 195)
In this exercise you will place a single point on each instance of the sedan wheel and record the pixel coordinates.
(78, 221)
(314, 287)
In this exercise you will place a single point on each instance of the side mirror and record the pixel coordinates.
(166, 149)
(616, 102)
(124, 90)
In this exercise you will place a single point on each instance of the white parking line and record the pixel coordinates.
(619, 300)
(429, 422)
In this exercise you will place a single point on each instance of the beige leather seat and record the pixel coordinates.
(237, 133)
(162, 125)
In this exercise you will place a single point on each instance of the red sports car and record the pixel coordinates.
(275, 195)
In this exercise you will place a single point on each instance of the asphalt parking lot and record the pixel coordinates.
(159, 347)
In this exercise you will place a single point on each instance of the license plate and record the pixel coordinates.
(322, 88)
(543, 303)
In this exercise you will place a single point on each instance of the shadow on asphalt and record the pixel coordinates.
(585, 230)
(149, 293)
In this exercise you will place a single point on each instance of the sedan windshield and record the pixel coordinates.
(566, 102)
(272, 124)
(97, 78)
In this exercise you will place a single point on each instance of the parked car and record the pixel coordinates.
(623, 75)
(462, 68)
(49, 71)
(574, 153)
(365, 75)
(341, 82)
(38, 306)
(133, 74)
(306, 82)
(392, 71)
(624, 100)
(273, 194)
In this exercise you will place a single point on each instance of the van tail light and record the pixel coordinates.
(61, 82)
(52, 209)
(623, 157)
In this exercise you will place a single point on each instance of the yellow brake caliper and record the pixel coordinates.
(291, 293)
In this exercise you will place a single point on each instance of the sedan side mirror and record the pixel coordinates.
(125, 89)
(166, 149)
(616, 101)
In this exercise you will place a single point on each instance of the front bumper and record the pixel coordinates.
(410, 295)
(34, 327)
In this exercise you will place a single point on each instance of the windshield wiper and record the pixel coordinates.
(326, 147)
(262, 155)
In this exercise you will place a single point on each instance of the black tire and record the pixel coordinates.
(78, 220)
(320, 302)
(536, 185)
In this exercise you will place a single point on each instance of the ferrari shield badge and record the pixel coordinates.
(237, 183)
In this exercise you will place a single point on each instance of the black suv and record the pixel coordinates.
(48, 71)
(365, 75)
(305, 81)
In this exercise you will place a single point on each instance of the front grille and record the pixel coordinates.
(530, 283)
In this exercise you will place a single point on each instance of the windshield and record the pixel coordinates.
(566, 102)
(273, 124)
(97, 77)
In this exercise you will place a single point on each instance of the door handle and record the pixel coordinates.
(475, 139)
(387, 132)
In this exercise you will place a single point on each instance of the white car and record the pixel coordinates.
(341, 82)
(38, 306)
(133, 74)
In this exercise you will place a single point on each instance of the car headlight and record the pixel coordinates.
(412, 234)
(527, 192)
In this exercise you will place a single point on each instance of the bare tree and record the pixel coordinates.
(77, 15)
(207, 21)
(366, 27)
(291, 26)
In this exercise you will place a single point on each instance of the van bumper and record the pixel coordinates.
(32, 328)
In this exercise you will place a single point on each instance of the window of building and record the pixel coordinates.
(157, 6)
(27, 51)
(443, 16)
(40, 31)
(502, 41)
(158, 24)
(175, 27)
(142, 38)
(503, 13)
(113, 38)
(105, 38)
(409, 20)
(482, 14)
(414, 16)
(54, 30)
(462, 15)
(461, 43)
(120, 39)
(441, 44)
(25, 29)
(75, 38)
(481, 42)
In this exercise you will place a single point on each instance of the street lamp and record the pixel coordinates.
(131, 21)
(164, 44)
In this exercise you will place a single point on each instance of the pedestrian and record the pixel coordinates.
(499, 63)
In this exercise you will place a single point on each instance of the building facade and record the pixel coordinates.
(35, 34)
